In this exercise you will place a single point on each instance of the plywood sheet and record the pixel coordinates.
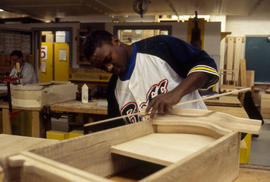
(163, 149)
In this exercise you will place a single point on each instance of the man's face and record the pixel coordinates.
(15, 59)
(112, 58)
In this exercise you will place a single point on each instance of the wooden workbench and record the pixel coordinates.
(227, 104)
(229, 101)
(98, 107)
(36, 124)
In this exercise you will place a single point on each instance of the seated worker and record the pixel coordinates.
(156, 73)
(26, 71)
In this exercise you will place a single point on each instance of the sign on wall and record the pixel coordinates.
(44, 53)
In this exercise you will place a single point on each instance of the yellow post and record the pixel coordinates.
(61, 62)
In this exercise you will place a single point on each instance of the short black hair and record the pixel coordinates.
(94, 40)
(17, 53)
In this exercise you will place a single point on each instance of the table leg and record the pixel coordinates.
(6, 121)
(35, 124)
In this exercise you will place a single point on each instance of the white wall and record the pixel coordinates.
(212, 40)
(241, 26)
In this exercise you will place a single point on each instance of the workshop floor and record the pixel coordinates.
(260, 146)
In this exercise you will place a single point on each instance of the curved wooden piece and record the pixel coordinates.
(211, 120)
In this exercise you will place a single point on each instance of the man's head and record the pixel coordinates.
(16, 57)
(105, 51)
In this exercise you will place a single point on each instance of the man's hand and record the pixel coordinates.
(163, 103)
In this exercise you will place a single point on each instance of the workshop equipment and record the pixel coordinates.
(188, 146)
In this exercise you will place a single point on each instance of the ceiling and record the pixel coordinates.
(47, 9)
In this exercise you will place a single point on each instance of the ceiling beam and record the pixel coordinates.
(254, 7)
(41, 5)
(172, 7)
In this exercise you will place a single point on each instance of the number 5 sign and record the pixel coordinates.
(44, 53)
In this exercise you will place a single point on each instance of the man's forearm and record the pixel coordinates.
(191, 83)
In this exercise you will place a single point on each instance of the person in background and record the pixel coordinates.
(22, 69)
(155, 73)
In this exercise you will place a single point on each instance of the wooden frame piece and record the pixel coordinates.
(93, 157)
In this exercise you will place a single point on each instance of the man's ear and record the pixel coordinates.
(115, 41)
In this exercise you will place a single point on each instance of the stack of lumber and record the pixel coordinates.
(233, 68)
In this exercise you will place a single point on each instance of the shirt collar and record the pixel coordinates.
(131, 64)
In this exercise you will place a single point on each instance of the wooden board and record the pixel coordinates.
(163, 149)
(219, 122)
(92, 107)
(231, 101)
(243, 73)
(229, 62)
(250, 78)
(237, 56)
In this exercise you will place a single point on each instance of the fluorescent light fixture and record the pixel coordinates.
(1, 10)
(174, 17)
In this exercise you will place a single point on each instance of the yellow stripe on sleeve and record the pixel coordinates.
(203, 68)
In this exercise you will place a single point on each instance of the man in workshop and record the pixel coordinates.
(22, 69)
(156, 73)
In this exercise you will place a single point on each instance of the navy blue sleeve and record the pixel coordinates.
(181, 56)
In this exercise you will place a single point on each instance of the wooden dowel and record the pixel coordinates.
(111, 119)
(183, 103)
